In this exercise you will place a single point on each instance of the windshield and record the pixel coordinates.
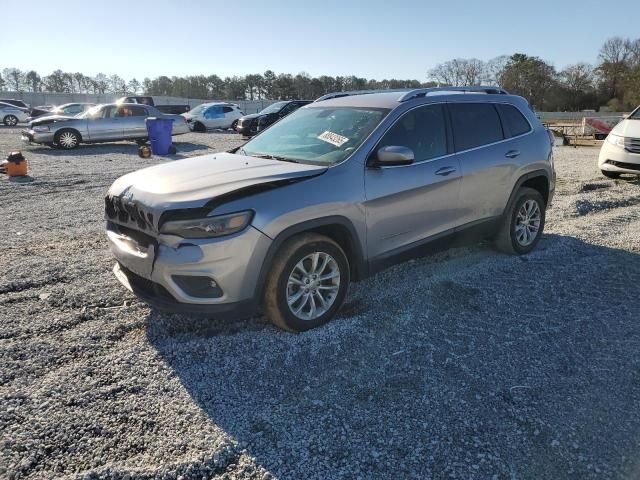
(635, 115)
(274, 108)
(324, 136)
(197, 110)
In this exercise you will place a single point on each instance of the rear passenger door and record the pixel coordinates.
(485, 160)
(133, 121)
(409, 203)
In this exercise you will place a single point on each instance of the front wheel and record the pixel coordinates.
(234, 124)
(67, 139)
(307, 284)
(10, 120)
(610, 174)
(523, 224)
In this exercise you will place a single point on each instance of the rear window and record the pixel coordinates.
(515, 123)
(474, 125)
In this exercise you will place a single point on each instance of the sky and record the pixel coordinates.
(373, 39)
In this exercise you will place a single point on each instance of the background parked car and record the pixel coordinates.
(10, 114)
(213, 115)
(146, 100)
(249, 125)
(13, 101)
(40, 110)
(620, 152)
(67, 110)
(102, 123)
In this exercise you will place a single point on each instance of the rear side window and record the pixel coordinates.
(227, 109)
(422, 129)
(138, 111)
(515, 123)
(474, 125)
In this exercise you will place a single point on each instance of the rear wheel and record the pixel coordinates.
(307, 284)
(67, 139)
(523, 224)
(10, 120)
(610, 174)
(234, 124)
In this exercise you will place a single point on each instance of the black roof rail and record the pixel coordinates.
(423, 92)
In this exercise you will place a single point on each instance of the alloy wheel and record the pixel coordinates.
(313, 285)
(11, 120)
(528, 222)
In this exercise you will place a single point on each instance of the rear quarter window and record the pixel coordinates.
(514, 121)
(474, 125)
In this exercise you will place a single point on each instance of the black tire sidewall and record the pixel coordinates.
(234, 124)
(199, 127)
(293, 322)
(10, 124)
(523, 197)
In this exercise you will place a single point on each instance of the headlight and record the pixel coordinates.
(209, 226)
(615, 140)
(41, 128)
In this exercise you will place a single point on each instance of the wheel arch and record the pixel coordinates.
(537, 179)
(340, 229)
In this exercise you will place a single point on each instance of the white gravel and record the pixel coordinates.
(467, 364)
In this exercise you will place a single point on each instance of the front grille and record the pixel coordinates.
(632, 144)
(126, 211)
(628, 166)
(140, 238)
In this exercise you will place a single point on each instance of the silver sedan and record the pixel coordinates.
(103, 123)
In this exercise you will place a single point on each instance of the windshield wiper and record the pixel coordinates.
(274, 157)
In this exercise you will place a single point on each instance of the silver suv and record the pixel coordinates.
(332, 193)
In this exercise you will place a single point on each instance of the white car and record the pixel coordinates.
(620, 152)
(213, 115)
(10, 115)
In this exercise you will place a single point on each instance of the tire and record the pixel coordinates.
(610, 174)
(300, 250)
(234, 124)
(10, 120)
(67, 139)
(515, 238)
(199, 127)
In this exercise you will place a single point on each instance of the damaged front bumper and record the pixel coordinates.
(155, 269)
(32, 136)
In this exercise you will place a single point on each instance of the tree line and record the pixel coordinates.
(613, 82)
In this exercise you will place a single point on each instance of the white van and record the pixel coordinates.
(620, 152)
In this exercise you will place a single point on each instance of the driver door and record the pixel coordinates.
(409, 203)
(105, 125)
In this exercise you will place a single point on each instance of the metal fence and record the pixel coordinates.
(47, 98)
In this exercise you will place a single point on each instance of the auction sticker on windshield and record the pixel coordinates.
(333, 138)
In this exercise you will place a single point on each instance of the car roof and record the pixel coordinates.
(391, 99)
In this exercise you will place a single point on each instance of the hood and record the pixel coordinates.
(628, 128)
(251, 116)
(199, 181)
(52, 118)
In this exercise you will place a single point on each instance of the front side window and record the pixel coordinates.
(514, 121)
(474, 125)
(422, 129)
(320, 135)
(214, 111)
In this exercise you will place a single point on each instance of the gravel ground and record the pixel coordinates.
(466, 364)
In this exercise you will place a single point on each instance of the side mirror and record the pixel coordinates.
(392, 155)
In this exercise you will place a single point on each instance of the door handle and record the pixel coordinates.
(445, 171)
(512, 153)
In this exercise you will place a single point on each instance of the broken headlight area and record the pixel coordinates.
(40, 128)
(209, 227)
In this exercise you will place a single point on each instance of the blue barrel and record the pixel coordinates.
(159, 130)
